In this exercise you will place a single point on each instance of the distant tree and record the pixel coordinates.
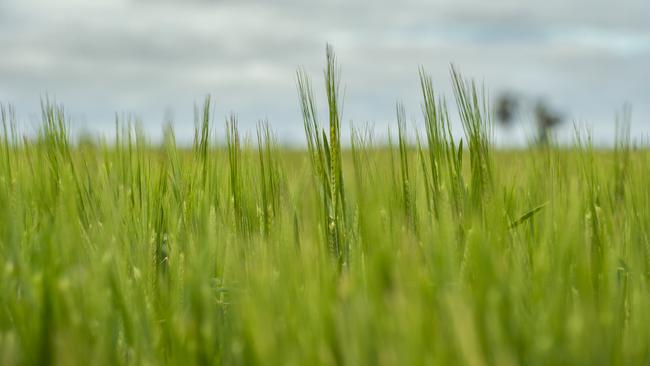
(546, 119)
(507, 107)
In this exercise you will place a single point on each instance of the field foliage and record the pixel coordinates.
(437, 250)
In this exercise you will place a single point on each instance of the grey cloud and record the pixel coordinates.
(150, 56)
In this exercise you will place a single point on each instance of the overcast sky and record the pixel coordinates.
(151, 58)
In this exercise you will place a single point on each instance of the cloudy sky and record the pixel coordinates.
(151, 58)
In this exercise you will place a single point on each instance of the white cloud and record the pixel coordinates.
(146, 56)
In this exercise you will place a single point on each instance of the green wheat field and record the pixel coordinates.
(415, 251)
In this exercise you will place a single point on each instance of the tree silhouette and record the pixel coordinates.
(508, 106)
